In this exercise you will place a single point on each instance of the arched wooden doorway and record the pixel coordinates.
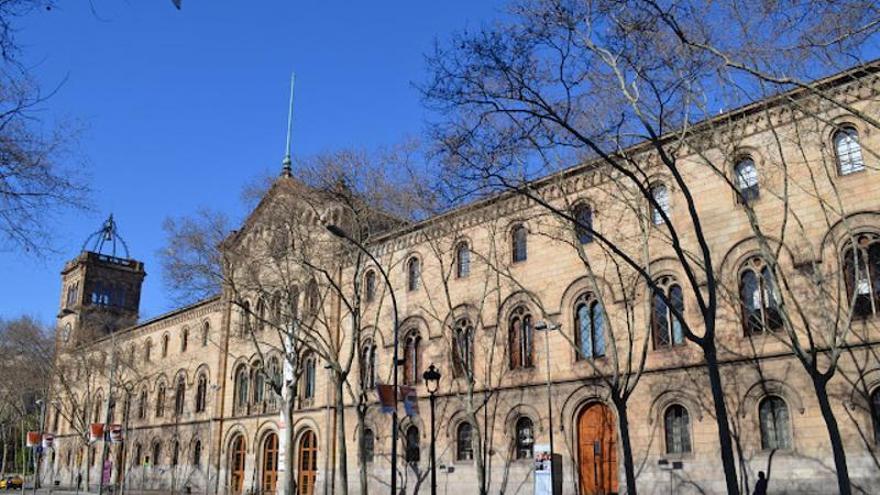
(307, 463)
(237, 454)
(597, 450)
(270, 463)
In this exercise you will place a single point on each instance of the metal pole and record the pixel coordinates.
(104, 444)
(38, 457)
(549, 407)
(433, 448)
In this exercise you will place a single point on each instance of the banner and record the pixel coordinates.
(48, 441)
(410, 400)
(96, 432)
(116, 433)
(33, 438)
(386, 398)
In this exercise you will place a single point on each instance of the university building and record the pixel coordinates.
(474, 287)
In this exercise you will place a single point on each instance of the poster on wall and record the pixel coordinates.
(543, 479)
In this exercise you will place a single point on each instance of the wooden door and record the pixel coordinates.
(236, 465)
(307, 463)
(270, 463)
(597, 451)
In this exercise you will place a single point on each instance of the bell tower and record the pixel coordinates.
(100, 289)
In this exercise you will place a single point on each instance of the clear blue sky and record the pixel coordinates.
(180, 108)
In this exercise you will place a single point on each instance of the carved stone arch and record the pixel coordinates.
(264, 428)
(579, 398)
(455, 419)
(659, 267)
(836, 123)
(519, 298)
(202, 368)
(464, 310)
(729, 268)
(868, 382)
(186, 378)
(583, 285)
(235, 429)
(160, 379)
(239, 361)
(416, 421)
(835, 240)
(761, 389)
(413, 323)
(372, 333)
(669, 397)
(300, 426)
(522, 410)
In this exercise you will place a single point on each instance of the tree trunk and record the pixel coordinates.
(362, 468)
(843, 484)
(626, 445)
(479, 460)
(724, 440)
(288, 477)
(340, 437)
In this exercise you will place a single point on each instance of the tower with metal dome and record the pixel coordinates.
(101, 288)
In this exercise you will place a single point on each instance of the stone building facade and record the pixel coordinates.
(473, 287)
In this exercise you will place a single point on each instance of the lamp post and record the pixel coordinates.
(432, 382)
(542, 326)
(338, 232)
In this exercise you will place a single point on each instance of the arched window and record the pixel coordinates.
(259, 384)
(148, 349)
(136, 460)
(368, 365)
(746, 179)
(666, 327)
(157, 452)
(245, 319)
(525, 438)
(261, 314)
(583, 226)
(274, 381)
(518, 243)
(462, 260)
(520, 338)
(313, 298)
(197, 454)
(677, 425)
(370, 286)
(241, 390)
(206, 330)
(184, 339)
(179, 396)
(875, 414)
(307, 381)
(160, 401)
(861, 272)
(411, 448)
(759, 297)
(369, 445)
(464, 446)
(590, 325)
(848, 150)
(175, 453)
(201, 393)
(463, 348)
(413, 274)
(411, 357)
(775, 428)
(660, 193)
(165, 345)
(142, 405)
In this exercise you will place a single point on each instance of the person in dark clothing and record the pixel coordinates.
(761, 484)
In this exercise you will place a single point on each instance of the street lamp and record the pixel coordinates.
(432, 382)
(338, 232)
(543, 326)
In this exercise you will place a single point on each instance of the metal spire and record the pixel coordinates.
(286, 169)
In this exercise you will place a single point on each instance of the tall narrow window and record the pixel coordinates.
(184, 339)
(759, 297)
(142, 405)
(157, 452)
(583, 227)
(746, 180)
(589, 322)
(775, 433)
(413, 274)
(370, 286)
(160, 401)
(307, 381)
(179, 396)
(665, 325)
(518, 241)
(463, 348)
(197, 454)
(677, 425)
(245, 319)
(261, 314)
(201, 392)
(411, 357)
(520, 338)
(274, 381)
(369, 445)
(241, 390)
(412, 449)
(259, 384)
(313, 298)
(462, 260)
(368, 365)
(148, 350)
(165, 345)
(464, 446)
(175, 453)
(525, 438)
(848, 150)
(660, 193)
(875, 414)
(206, 329)
(861, 270)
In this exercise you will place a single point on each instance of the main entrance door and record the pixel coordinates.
(270, 463)
(307, 463)
(597, 451)
(236, 465)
